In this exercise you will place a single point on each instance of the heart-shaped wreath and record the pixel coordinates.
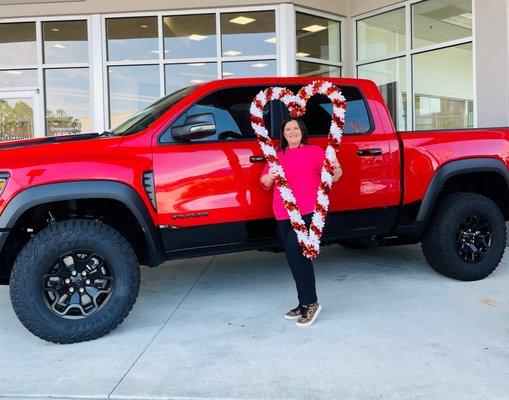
(309, 240)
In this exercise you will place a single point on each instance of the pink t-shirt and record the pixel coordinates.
(302, 166)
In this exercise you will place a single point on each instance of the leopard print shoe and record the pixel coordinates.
(309, 314)
(293, 314)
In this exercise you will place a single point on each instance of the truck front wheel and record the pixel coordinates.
(74, 281)
(466, 237)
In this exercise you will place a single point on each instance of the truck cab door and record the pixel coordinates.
(206, 173)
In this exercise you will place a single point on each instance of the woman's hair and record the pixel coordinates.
(283, 144)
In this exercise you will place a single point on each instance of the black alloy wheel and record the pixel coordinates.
(473, 238)
(78, 284)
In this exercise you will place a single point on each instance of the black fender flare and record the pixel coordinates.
(101, 189)
(451, 169)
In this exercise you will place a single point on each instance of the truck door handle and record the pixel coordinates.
(369, 152)
(254, 159)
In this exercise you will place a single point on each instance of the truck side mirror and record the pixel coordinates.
(197, 126)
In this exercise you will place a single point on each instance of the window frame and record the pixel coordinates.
(342, 39)
(161, 62)
(163, 130)
(409, 52)
(40, 66)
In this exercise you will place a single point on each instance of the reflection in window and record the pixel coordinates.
(189, 36)
(390, 76)
(248, 33)
(17, 44)
(180, 75)
(443, 88)
(131, 89)
(68, 108)
(438, 21)
(319, 111)
(132, 38)
(317, 37)
(313, 69)
(243, 69)
(227, 111)
(65, 41)
(18, 78)
(381, 35)
(16, 118)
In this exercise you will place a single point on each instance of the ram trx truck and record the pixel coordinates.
(80, 213)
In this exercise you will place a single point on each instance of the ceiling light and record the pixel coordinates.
(59, 46)
(242, 20)
(196, 64)
(232, 53)
(14, 72)
(196, 37)
(463, 20)
(225, 73)
(314, 28)
(197, 81)
(301, 54)
(55, 29)
(154, 51)
(144, 26)
(271, 40)
(260, 65)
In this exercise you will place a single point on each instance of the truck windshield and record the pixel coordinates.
(142, 119)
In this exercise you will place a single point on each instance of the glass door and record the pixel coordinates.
(17, 115)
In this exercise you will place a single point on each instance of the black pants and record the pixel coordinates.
(301, 266)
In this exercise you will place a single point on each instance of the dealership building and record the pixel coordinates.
(85, 65)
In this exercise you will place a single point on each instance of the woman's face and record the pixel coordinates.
(292, 133)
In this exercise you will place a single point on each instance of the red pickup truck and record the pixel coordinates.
(78, 214)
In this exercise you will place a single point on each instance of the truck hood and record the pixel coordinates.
(52, 139)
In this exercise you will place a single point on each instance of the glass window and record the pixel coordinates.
(436, 21)
(390, 76)
(319, 111)
(131, 89)
(243, 69)
(318, 37)
(227, 111)
(18, 78)
(443, 88)
(141, 120)
(248, 33)
(68, 108)
(65, 42)
(132, 38)
(381, 35)
(16, 118)
(180, 75)
(189, 36)
(17, 44)
(305, 68)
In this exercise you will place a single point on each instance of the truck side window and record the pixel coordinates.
(319, 111)
(222, 115)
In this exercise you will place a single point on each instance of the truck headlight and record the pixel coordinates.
(3, 181)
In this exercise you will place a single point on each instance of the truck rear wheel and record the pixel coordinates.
(466, 237)
(74, 281)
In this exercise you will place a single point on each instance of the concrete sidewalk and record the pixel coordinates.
(212, 327)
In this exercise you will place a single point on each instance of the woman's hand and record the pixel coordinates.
(336, 171)
(268, 179)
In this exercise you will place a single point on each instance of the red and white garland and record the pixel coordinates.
(309, 240)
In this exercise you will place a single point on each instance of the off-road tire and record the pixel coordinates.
(438, 242)
(38, 254)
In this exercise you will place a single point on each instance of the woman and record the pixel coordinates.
(302, 164)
